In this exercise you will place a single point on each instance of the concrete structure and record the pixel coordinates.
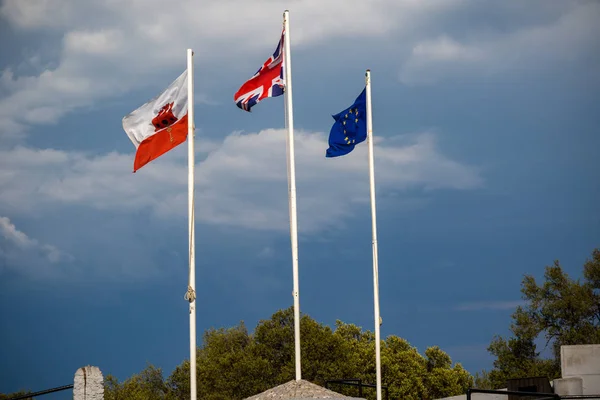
(568, 386)
(299, 390)
(88, 384)
(579, 365)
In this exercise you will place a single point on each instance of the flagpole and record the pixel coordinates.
(374, 233)
(289, 123)
(191, 292)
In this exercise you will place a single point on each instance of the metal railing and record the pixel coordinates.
(42, 392)
(537, 395)
(357, 383)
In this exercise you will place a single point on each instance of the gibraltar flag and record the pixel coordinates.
(159, 125)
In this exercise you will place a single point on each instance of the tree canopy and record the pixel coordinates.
(559, 311)
(233, 364)
(15, 394)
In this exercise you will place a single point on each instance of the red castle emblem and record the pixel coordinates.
(164, 118)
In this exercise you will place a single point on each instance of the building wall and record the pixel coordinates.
(582, 361)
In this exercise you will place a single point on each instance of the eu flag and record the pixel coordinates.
(349, 128)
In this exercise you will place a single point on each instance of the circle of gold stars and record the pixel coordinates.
(350, 111)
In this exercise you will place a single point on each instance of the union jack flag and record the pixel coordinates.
(268, 81)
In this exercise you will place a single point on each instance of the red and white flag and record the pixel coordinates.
(159, 125)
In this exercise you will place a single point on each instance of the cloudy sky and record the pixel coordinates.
(487, 133)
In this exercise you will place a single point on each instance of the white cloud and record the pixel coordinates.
(311, 19)
(445, 49)
(561, 41)
(266, 252)
(104, 42)
(10, 233)
(37, 14)
(17, 250)
(108, 48)
(241, 181)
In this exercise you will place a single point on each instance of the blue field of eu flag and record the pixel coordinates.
(349, 128)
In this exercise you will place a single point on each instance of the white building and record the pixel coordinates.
(580, 370)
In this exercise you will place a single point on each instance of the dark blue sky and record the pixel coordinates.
(486, 169)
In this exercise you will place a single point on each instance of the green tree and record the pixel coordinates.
(481, 380)
(179, 382)
(274, 339)
(402, 369)
(147, 385)
(233, 364)
(517, 357)
(228, 365)
(359, 349)
(409, 375)
(16, 394)
(323, 354)
(443, 379)
(561, 310)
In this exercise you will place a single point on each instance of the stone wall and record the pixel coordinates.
(88, 384)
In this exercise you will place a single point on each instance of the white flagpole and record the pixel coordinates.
(374, 233)
(191, 292)
(289, 123)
